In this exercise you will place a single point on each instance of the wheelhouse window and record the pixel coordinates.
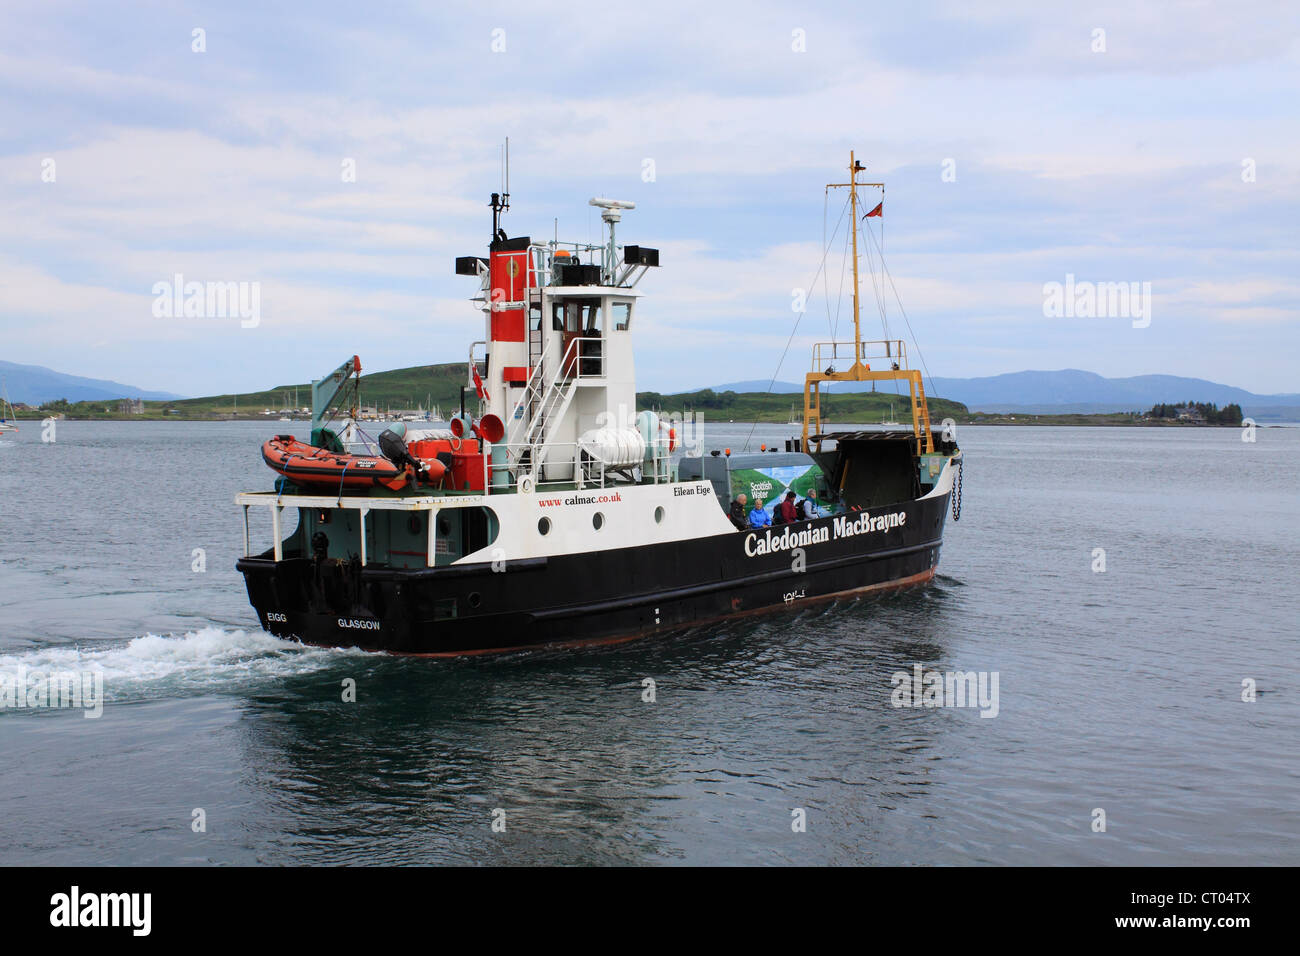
(621, 314)
(576, 315)
(578, 320)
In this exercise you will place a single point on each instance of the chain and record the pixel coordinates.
(956, 495)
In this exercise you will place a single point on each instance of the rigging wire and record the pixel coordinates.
(826, 292)
(353, 385)
(915, 342)
(826, 276)
(798, 319)
(839, 298)
(877, 288)
(878, 292)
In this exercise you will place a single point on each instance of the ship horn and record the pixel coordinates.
(490, 428)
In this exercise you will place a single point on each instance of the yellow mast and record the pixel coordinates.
(854, 166)
(860, 371)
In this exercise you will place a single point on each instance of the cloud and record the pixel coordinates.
(227, 166)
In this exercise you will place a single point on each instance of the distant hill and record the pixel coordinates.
(757, 406)
(427, 385)
(34, 384)
(1068, 391)
(1071, 390)
(404, 388)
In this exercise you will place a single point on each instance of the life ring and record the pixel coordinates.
(672, 439)
(527, 484)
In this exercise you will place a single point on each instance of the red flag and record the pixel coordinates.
(478, 383)
(876, 211)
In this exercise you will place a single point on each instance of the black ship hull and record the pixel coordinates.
(605, 595)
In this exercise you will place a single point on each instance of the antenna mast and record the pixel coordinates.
(856, 167)
(501, 201)
(611, 211)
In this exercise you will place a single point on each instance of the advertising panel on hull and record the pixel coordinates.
(772, 482)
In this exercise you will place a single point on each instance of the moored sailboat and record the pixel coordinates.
(8, 418)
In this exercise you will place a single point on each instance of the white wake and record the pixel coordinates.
(209, 660)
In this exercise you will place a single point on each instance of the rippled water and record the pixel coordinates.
(1118, 690)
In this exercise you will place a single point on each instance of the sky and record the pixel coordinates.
(1020, 142)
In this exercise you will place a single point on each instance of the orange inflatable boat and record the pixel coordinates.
(305, 464)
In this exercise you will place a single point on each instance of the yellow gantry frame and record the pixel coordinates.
(860, 371)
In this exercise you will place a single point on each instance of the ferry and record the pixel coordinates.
(553, 512)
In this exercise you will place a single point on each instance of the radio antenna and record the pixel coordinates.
(501, 201)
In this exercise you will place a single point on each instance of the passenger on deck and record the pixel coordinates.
(738, 514)
(786, 513)
(810, 508)
(758, 518)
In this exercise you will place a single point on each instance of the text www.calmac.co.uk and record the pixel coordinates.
(578, 500)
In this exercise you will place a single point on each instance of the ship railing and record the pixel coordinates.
(472, 365)
(520, 421)
(841, 356)
(661, 463)
(572, 465)
(277, 502)
(550, 400)
(542, 260)
(582, 359)
(879, 360)
(588, 360)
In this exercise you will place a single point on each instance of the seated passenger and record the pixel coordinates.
(737, 513)
(786, 513)
(810, 508)
(758, 518)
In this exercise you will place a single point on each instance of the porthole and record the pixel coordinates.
(544, 526)
(475, 599)
(659, 515)
(598, 521)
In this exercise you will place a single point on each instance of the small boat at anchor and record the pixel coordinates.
(8, 422)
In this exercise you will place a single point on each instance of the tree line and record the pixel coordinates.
(1206, 411)
(705, 398)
